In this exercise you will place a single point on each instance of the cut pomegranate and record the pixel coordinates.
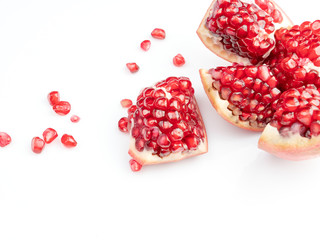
(158, 33)
(62, 108)
(166, 123)
(135, 166)
(126, 103)
(53, 98)
(37, 145)
(242, 32)
(178, 60)
(74, 118)
(5, 139)
(145, 45)
(68, 141)
(133, 67)
(49, 135)
(243, 95)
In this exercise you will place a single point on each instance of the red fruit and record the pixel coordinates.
(126, 103)
(239, 31)
(135, 166)
(5, 139)
(158, 33)
(178, 60)
(123, 124)
(62, 108)
(49, 135)
(243, 95)
(68, 141)
(145, 45)
(53, 98)
(75, 118)
(133, 67)
(37, 145)
(166, 123)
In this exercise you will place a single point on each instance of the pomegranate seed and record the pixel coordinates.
(54, 98)
(145, 45)
(135, 166)
(74, 118)
(37, 145)
(158, 33)
(68, 141)
(126, 103)
(178, 60)
(133, 67)
(62, 108)
(123, 124)
(49, 135)
(5, 139)
(315, 27)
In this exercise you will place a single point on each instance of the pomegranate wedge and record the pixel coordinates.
(242, 31)
(166, 124)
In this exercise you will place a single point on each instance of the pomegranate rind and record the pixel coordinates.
(294, 147)
(220, 105)
(215, 46)
(146, 158)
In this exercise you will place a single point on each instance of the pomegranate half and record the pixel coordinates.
(242, 31)
(166, 125)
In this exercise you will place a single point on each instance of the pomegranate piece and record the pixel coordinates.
(241, 31)
(134, 165)
(49, 135)
(37, 145)
(62, 108)
(166, 123)
(145, 45)
(5, 139)
(53, 98)
(133, 67)
(158, 33)
(243, 95)
(74, 118)
(126, 103)
(68, 141)
(178, 60)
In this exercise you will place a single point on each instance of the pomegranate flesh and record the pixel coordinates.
(166, 124)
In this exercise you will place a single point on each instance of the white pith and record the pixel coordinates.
(293, 147)
(221, 105)
(213, 42)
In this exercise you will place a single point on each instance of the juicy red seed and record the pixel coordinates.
(5, 139)
(49, 135)
(145, 45)
(54, 98)
(133, 67)
(68, 141)
(126, 103)
(315, 128)
(179, 60)
(74, 118)
(62, 108)
(37, 145)
(158, 33)
(315, 27)
(163, 141)
(134, 165)
(123, 124)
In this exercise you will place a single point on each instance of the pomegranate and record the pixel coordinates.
(68, 141)
(74, 118)
(53, 98)
(158, 33)
(243, 95)
(133, 67)
(5, 139)
(37, 145)
(49, 135)
(242, 31)
(166, 123)
(179, 60)
(135, 166)
(62, 108)
(126, 103)
(145, 45)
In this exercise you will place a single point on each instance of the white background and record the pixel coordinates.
(80, 48)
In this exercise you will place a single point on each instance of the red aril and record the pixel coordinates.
(145, 45)
(133, 67)
(5, 139)
(74, 118)
(53, 98)
(158, 33)
(165, 123)
(49, 135)
(179, 60)
(134, 165)
(126, 103)
(68, 141)
(37, 145)
(123, 124)
(62, 108)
